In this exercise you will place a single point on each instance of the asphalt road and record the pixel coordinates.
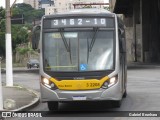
(143, 95)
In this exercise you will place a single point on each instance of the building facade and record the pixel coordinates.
(45, 3)
(59, 6)
(88, 2)
(66, 5)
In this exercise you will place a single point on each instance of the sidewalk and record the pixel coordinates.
(142, 65)
(17, 98)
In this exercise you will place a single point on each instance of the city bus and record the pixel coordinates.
(82, 57)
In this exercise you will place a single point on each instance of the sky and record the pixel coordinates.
(2, 2)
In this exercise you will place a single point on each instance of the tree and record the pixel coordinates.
(2, 32)
(29, 13)
(2, 44)
(20, 33)
(107, 8)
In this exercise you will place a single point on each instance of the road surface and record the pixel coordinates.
(143, 95)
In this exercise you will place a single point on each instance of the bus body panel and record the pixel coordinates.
(112, 93)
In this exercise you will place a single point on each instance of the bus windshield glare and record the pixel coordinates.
(87, 50)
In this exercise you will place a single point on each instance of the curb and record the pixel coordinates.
(34, 102)
(36, 71)
(143, 65)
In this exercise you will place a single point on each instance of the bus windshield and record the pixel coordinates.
(87, 50)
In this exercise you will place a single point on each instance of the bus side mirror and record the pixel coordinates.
(122, 42)
(35, 37)
(123, 45)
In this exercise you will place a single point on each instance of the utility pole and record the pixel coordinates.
(1, 92)
(9, 69)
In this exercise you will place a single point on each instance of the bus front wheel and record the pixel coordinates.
(52, 106)
(125, 94)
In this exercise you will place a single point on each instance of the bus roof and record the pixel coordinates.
(88, 10)
(84, 11)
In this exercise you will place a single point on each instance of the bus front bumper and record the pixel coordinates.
(112, 93)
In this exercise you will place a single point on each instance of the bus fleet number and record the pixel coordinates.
(93, 84)
(79, 21)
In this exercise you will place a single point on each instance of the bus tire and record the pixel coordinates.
(125, 94)
(116, 103)
(52, 106)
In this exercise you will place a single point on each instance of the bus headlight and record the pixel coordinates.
(48, 84)
(45, 81)
(112, 81)
(109, 83)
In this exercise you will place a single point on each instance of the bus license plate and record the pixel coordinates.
(79, 97)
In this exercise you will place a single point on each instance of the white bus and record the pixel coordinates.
(82, 57)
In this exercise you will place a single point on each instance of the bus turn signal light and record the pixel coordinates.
(110, 82)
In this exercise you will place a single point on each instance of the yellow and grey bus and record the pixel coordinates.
(82, 57)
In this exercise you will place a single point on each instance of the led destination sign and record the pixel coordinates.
(78, 22)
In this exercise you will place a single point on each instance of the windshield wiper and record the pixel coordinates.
(70, 51)
(64, 40)
(68, 47)
(93, 39)
(87, 50)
